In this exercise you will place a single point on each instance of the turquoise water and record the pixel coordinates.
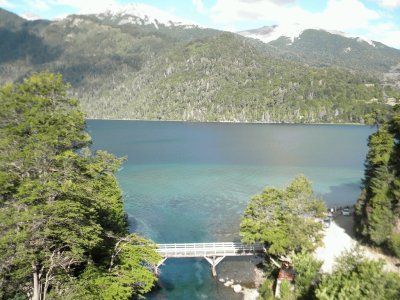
(190, 182)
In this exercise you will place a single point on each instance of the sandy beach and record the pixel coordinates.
(339, 237)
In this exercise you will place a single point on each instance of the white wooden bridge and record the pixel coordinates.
(214, 253)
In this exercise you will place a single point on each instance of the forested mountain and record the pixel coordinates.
(378, 208)
(125, 67)
(322, 48)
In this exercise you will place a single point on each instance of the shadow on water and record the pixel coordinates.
(342, 195)
(132, 223)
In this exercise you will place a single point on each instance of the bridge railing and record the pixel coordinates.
(207, 249)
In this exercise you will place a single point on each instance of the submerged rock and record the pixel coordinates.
(228, 283)
(237, 288)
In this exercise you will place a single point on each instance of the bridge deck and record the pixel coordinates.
(207, 249)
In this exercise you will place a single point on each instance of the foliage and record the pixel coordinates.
(286, 290)
(134, 71)
(375, 118)
(61, 208)
(378, 207)
(355, 277)
(285, 220)
(266, 291)
(127, 274)
(307, 274)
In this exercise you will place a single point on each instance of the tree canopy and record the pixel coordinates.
(356, 277)
(286, 220)
(63, 225)
(378, 207)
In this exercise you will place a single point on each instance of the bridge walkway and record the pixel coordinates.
(214, 253)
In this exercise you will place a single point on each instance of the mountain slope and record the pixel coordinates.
(10, 20)
(322, 48)
(225, 78)
(151, 70)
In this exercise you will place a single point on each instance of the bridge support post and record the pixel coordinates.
(214, 261)
(157, 267)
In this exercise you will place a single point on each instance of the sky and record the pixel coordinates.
(377, 20)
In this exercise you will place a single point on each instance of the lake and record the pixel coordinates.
(190, 182)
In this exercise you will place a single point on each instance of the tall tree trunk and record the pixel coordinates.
(36, 285)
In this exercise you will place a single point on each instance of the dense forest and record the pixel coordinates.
(63, 229)
(378, 207)
(131, 71)
(224, 78)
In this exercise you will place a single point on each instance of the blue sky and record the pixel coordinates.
(372, 19)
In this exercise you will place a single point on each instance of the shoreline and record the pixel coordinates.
(225, 122)
(248, 292)
(338, 238)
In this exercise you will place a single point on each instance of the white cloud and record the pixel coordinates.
(389, 3)
(349, 16)
(346, 15)
(390, 38)
(6, 4)
(38, 4)
(338, 14)
(274, 1)
(386, 33)
(199, 5)
(88, 6)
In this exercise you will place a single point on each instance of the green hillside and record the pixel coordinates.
(226, 79)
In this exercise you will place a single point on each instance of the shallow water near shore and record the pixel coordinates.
(190, 182)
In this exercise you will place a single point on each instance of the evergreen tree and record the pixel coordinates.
(61, 208)
(378, 207)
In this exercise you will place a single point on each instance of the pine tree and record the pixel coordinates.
(378, 207)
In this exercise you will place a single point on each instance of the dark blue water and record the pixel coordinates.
(190, 182)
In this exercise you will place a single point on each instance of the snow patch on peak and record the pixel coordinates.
(336, 32)
(30, 16)
(359, 39)
(270, 33)
(138, 13)
(293, 32)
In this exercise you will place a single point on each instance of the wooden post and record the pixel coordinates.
(156, 269)
(214, 261)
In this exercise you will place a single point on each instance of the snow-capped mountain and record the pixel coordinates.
(268, 34)
(141, 14)
(321, 47)
(30, 16)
